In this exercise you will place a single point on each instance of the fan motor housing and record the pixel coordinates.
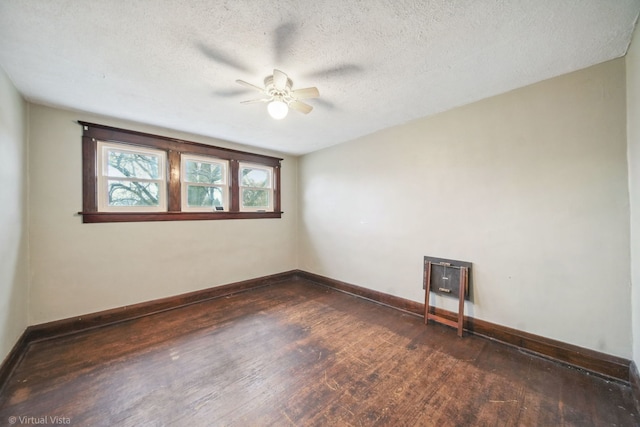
(270, 88)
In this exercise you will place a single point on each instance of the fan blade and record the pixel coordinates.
(229, 92)
(300, 106)
(221, 57)
(249, 85)
(279, 79)
(338, 71)
(283, 37)
(321, 102)
(253, 101)
(309, 92)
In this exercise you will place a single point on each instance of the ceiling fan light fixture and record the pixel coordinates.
(279, 95)
(278, 109)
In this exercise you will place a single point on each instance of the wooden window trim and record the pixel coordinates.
(92, 133)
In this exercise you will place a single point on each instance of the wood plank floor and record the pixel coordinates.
(298, 354)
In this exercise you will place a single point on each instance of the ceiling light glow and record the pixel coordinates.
(278, 109)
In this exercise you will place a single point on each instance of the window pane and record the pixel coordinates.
(255, 198)
(133, 165)
(208, 173)
(254, 177)
(200, 196)
(132, 193)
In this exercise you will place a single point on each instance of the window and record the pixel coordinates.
(204, 184)
(133, 176)
(256, 190)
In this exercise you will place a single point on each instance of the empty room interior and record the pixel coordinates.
(235, 213)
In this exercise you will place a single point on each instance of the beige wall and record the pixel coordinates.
(530, 186)
(82, 268)
(633, 137)
(14, 285)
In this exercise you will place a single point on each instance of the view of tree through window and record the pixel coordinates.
(133, 178)
(205, 181)
(256, 187)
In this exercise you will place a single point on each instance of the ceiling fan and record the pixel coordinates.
(279, 94)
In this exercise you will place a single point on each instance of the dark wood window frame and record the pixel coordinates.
(92, 133)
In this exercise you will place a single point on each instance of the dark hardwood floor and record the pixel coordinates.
(298, 354)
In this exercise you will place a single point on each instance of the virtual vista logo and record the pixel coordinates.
(43, 420)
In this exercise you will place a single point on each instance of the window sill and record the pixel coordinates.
(96, 217)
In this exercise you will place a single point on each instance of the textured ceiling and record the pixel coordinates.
(377, 63)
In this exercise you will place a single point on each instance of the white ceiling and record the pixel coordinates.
(377, 63)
